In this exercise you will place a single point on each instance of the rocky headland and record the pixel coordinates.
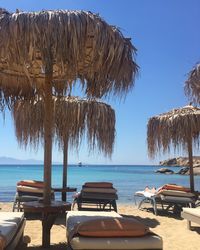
(181, 162)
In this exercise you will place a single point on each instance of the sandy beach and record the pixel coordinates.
(99, 102)
(173, 230)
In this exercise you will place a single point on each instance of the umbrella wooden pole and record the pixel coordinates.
(48, 118)
(65, 163)
(191, 163)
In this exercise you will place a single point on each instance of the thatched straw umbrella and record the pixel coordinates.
(74, 119)
(179, 128)
(47, 52)
(192, 84)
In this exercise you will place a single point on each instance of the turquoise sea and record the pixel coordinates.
(126, 179)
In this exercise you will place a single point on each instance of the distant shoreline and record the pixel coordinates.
(84, 165)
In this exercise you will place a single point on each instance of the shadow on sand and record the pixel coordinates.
(152, 223)
(60, 220)
(60, 246)
(165, 213)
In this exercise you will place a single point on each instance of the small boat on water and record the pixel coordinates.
(80, 164)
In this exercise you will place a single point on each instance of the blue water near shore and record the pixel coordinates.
(126, 179)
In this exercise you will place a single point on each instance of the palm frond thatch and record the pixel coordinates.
(80, 45)
(192, 84)
(173, 128)
(73, 119)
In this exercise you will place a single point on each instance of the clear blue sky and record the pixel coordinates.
(166, 34)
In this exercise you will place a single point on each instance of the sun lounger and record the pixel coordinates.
(191, 215)
(146, 197)
(97, 196)
(168, 199)
(78, 219)
(11, 229)
(28, 190)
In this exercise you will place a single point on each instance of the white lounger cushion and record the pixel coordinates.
(164, 192)
(144, 193)
(145, 242)
(191, 214)
(92, 243)
(9, 224)
(192, 211)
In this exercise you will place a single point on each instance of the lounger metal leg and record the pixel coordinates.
(162, 205)
(140, 204)
(189, 224)
(16, 204)
(154, 206)
(142, 201)
(74, 203)
(114, 204)
(135, 200)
